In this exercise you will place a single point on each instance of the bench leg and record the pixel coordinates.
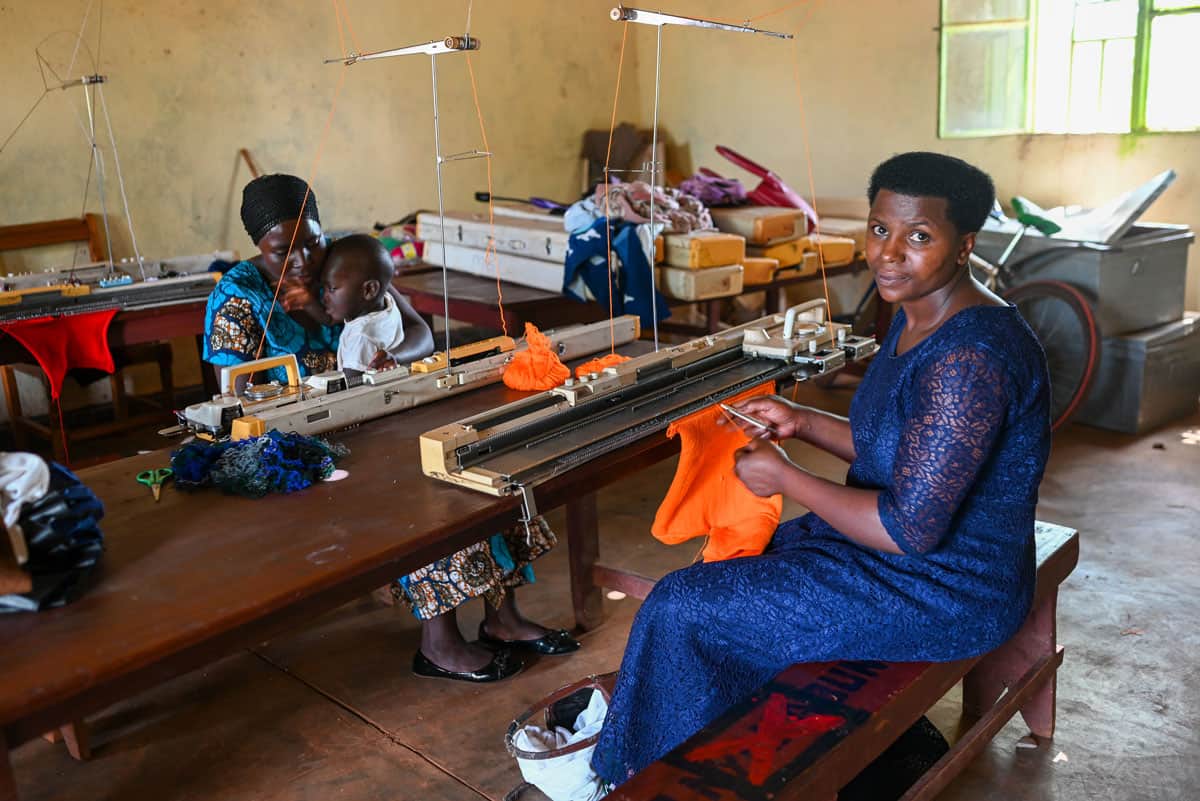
(8, 783)
(583, 547)
(997, 671)
(77, 739)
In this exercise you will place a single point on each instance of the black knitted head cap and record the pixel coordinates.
(269, 200)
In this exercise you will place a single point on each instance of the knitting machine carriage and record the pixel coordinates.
(510, 449)
(333, 400)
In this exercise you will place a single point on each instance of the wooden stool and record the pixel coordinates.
(159, 403)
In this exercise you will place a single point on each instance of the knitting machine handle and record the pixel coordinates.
(230, 374)
(789, 320)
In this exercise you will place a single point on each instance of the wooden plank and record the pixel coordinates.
(634, 585)
(49, 232)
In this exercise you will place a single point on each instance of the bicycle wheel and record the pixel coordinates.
(1062, 319)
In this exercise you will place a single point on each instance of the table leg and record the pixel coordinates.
(16, 415)
(583, 544)
(8, 783)
(208, 376)
(771, 302)
(714, 315)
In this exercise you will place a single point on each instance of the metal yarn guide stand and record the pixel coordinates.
(93, 90)
(433, 49)
(660, 20)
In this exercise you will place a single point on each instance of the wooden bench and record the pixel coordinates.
(762, 749)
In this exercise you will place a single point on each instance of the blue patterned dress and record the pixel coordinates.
(954, 433)
(236, 314)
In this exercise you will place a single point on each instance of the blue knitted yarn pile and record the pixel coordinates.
(275, 462)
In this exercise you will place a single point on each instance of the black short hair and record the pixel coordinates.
(967, 190)
(366, 255)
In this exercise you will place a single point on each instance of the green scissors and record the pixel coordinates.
(154, 479)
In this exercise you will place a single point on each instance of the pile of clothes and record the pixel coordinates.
(52, 525)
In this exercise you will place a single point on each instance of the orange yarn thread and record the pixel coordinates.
(596, 365)
(537, 367)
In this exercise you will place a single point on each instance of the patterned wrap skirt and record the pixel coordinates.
(488, 569)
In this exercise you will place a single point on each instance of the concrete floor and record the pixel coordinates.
(333, 712)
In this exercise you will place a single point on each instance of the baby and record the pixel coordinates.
(356, 276)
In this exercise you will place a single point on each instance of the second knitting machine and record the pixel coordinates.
(510, 449)
(333, 400)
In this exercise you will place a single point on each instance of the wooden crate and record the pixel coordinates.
(702, 249)
(687, 284)
(760, 225)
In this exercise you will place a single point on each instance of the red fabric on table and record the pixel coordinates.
(63, 343)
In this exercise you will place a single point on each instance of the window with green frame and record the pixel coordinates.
(1068, 66)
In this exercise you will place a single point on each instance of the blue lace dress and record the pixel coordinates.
(954, 433)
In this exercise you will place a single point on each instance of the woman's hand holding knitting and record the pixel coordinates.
(762, 467)
(787, 420)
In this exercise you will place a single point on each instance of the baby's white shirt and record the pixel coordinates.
(370, 333)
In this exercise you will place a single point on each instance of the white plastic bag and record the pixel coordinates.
(568, 777)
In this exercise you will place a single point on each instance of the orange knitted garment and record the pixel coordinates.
(707, 498)
(596, 365)
(537, 366)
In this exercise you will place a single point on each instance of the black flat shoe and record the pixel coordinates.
(503, 665)
(550, 644)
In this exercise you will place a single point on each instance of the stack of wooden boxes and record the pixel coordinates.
(778, 243)
(701, 265)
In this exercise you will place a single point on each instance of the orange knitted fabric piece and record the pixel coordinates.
(707, 498)
(537, 366)
(596, 365)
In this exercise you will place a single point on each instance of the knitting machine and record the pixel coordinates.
(511, 449)
(96, 287)
(334, 400)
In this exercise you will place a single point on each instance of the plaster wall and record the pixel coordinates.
(192, 81)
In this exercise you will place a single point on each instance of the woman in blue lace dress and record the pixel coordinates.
(927, 551)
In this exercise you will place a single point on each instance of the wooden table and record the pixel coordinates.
(199, 575)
